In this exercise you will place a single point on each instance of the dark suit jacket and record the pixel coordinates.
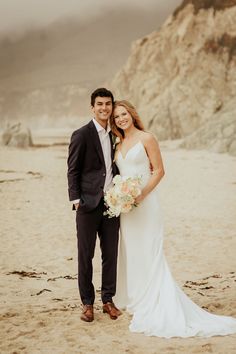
(86, 167)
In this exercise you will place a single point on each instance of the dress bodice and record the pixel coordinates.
(135, 163)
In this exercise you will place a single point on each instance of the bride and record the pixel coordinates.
(145, 286)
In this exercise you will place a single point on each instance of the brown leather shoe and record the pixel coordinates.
(87, 314)
(112, 310)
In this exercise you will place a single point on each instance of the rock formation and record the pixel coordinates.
(17, 135)
(218, 134)
(182, 78)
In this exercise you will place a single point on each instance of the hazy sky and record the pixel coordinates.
(20, 14)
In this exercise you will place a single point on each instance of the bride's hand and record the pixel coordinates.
(139, 198)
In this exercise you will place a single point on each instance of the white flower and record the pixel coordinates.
(116, 141)
(117, 179)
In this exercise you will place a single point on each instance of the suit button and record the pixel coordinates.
(104, 174)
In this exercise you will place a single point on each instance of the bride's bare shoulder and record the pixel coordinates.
(148, 138)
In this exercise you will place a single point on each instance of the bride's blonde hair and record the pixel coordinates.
(132, 111)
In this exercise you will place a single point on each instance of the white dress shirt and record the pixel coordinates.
(106, 149)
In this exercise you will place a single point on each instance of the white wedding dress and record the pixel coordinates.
(145, 287)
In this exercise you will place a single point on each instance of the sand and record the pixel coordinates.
(40, 304)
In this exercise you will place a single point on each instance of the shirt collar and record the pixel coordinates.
(100, 128)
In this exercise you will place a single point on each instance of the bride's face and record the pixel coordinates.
(123, 118)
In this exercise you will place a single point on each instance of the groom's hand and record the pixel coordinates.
(76, 206)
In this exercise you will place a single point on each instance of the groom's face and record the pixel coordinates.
(102, 109)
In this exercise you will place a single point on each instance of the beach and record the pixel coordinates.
(40, 304)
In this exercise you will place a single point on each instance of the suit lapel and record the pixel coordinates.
(112, 150)
(96, 141)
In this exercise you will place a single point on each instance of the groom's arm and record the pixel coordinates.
(75, 162)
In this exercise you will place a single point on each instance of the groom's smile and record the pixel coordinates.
(102, 109)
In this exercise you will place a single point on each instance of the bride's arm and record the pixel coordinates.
(153, 151)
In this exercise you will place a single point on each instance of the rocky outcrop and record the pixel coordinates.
(218, 134)
(17, 135)
(182, 78)
(198, 5)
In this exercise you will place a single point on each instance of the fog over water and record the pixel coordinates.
(18, 16)
(53, 53)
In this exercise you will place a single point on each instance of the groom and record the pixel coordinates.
(90, 172)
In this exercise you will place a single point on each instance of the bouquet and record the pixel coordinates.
(121, 197)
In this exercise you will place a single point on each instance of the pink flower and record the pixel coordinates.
(121, 197)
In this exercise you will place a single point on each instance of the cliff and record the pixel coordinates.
(182, 79)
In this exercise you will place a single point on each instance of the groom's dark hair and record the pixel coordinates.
(101, 92)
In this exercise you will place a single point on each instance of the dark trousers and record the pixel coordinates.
(89, 225)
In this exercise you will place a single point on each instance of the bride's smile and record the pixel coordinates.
(122, 118)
